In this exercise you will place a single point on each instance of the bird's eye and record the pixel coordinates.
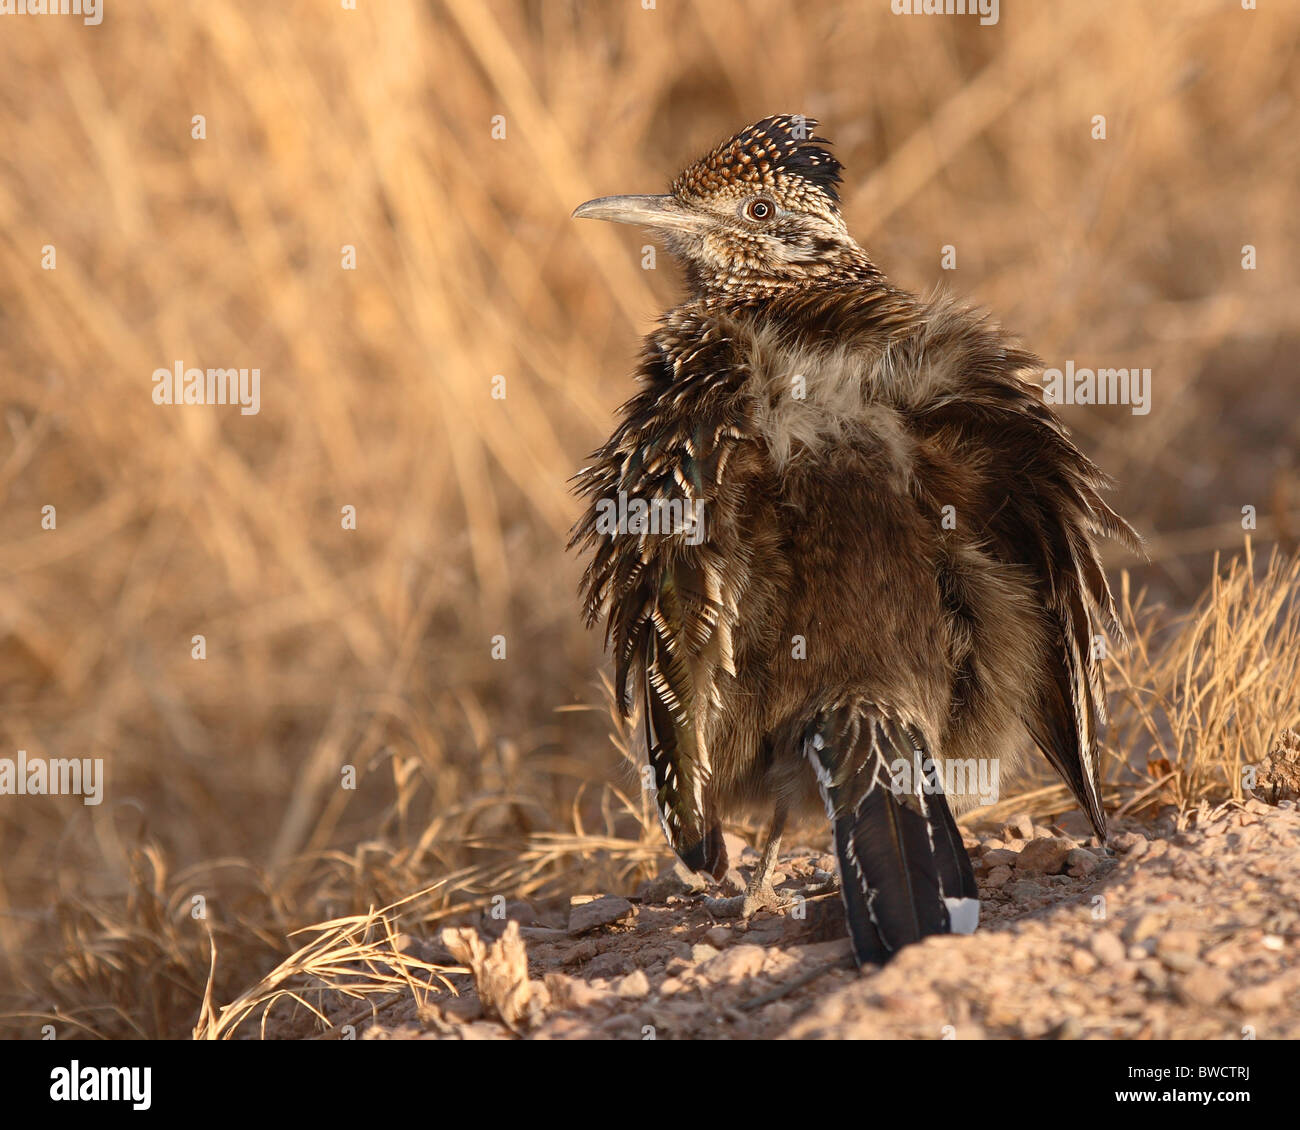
(759, 209)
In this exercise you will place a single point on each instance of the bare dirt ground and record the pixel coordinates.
(1183, 929)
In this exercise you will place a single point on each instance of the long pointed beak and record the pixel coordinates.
(649, 211)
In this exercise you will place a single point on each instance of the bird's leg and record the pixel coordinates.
(759, 893)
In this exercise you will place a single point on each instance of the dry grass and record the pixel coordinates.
(1208, 695)
(1199, 697)
(370, 648)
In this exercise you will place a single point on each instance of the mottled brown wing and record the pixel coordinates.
(661, 591)
(1042, 508)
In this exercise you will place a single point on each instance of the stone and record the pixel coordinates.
(1203, 986)
(1125, 842)
(1153, 974)
(1145, 926)
(572, 994)
(1043, 856)
(585, 950)
(1178, 941)
(1022, 890)
(1082, 961)
(1106, 947)
(1258, 998)
(585, 916)
(737, 964)
(612, 963)
(1019, 827)
(718, 936)
(634, 986)
(1178, 961)
(1080, 863)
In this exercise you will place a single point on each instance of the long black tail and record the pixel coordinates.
(903, 871)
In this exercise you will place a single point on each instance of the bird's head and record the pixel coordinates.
(757, 215)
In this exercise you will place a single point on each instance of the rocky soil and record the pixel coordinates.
(1181, 929)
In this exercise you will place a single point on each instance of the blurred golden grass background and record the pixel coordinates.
(371, 647)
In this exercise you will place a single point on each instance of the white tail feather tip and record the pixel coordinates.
(963, 915)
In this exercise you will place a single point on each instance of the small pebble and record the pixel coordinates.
(1258, 998)
(998, 877)
(634, 986)
(1020, 827)
(1203, 986)
(718, 936)
(1080, 863)
(1107, 948)
(1044, 856)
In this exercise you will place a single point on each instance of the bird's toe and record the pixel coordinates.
(732, 907)
(759, 898)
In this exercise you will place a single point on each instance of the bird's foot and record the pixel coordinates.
(725, 907)
(756, 897)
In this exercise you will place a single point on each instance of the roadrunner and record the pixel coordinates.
(841, 544)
